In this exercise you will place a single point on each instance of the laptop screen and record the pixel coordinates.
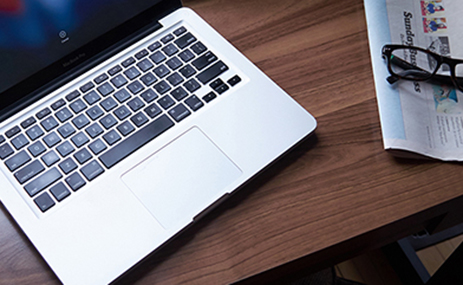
(40, 34)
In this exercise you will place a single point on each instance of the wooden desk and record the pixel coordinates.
(336, 195)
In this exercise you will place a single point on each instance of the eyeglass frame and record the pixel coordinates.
(440, 59)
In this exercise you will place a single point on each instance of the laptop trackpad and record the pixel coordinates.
(182, 179)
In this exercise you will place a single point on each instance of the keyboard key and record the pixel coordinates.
(161, 71)
(92, 97)
(157, 57)
(28, 122)
(216, 83)
(82, 156)
(153, 110)
(145, 65)
(50, 158)
(162, 87)
(58, 104)
(44, 202)
(81, 121)
(92, 170)
(36, 149)
(86, 87)
(234, 80)
(139, 119)
(114, 70)
(154, 46)
(198, 48)
(108, 104)
(135, 141)
(135, 87)
(42, 182)
(204, 60)
(109, 121)
(66, 130)
(185, 40)
(179, 112)
(129, 61)
(148, 79)
(212, 72)
(187, 71)
(141, 54)
(132, 73)
(192, 85)
(136, 104)
(51, 139)
(63, 115)
(94, 130)
(59, 191)
(80, 139)
(149, 95)
(75, 181)
(65, 149)
(95, 112)
(222, 88)
(19, 142)
(174, 63)
(175, 79)
(42, 114)
(112, 137)
(179, 93)
(166, 102)
(186, 55)
(49, 123)
(167, 38)
(2, 139)
(68, 165)
(5, 151)
(209, 97)
(78, 106)
(97, 146)
(12, 132)
(125, 128)
(34, 132)
(122, 95)
(122, 112)
(119, 81)
(105, 89)
(17, 160)
(194, 103)
(29, 171)
(180, 31)
(101, 78)
(170, 50)
(73, 95)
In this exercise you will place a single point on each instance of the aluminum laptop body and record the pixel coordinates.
(102, 211)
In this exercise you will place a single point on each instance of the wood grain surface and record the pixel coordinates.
(336, 195)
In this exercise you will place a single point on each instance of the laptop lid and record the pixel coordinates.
(45, 43)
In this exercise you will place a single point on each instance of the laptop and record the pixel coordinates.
(122, 123)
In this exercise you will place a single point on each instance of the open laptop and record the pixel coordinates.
(122, 121)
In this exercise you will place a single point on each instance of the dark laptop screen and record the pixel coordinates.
(35, 34)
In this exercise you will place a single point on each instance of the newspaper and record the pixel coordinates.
(418, 117)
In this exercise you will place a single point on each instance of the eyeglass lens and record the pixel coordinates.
(413, 64)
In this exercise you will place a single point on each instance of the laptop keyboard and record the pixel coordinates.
(77, 138)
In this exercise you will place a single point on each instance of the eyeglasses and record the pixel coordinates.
(418, 64)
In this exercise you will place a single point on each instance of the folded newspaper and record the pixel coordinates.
(419, 118)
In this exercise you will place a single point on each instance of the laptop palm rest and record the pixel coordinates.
(182, 179)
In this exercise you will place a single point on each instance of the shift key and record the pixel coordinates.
(43, 181)
(29, 171)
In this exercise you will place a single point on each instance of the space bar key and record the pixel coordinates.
(135, 141)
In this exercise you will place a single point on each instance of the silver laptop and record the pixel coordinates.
(121, 122)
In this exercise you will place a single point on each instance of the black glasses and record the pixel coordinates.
(418, 64)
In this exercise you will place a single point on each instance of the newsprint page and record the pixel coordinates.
(418, 117)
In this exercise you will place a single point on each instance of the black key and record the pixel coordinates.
(192, 85)
(175, 79)
(136, 104)
(187, 71)
(179, 112)
(167, 38)
(12, 132)
(204, 60)
(92, 170)
(58, 104)
(135, 87)
(153, 110)
(154, 46)
(166, 102)
(66, 130)
(174, 63)
(95, 112)
(161, 71)
(28, 122)
(234, 80)
(75, 181)
(94, 130)
(145, 65)
(105, 89)
(92, 97)
(108, 104)
(122, 112)
(139, 119)
(112, 137)
(17, 160)
(59, 191)
(80, 139)
(209, 97)
(179, 93)
(185, 40)
(73, 95)
(135, 141)
(2, 139)
(222, 88)
(68, 165)
(49, 123)
(216, 83)
(81, 121)
(44, 202)
(170, 50)
(114, 70)
(36, 149)
(97, 146)
(42, 114)
(198, 48)
(129, 61)
(86, 87)
(157, 57)
(50, 158)
(63, 115)
(78, 106)
(82, 156)
(119, 81)
(149, 95)
(122, 95)
(180, 31)
(101, 78)
(5, 151)
(125, 128)
(19, 142)
(108, 121)
(65, 149)
(42, 182)
(194, 103)
(162, 87)
(148, 79)
(51, 139)
(141, 54)
(132, 73)
(29, 171)
(186, 55)
(34, 132)
(212, 72)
